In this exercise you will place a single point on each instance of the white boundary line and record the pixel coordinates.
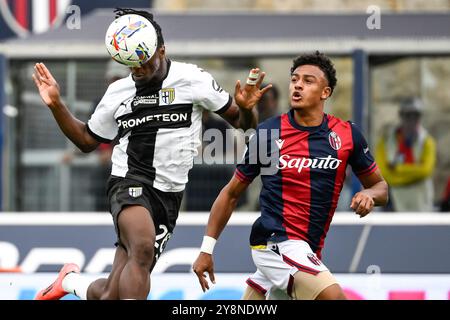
(360, 248)
(237, 219)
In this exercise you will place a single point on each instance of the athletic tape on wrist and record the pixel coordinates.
(208, 244)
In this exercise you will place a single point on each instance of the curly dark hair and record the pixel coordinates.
(320, 60)
(147, 15)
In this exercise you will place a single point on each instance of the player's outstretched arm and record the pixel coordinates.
(73, 128)
(375, 193)
(221, 212)
(242, 113)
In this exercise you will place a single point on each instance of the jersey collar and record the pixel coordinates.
(303, 128)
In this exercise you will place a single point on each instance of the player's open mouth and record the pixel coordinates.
(296, 96)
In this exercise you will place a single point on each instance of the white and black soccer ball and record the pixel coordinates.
(131, 40)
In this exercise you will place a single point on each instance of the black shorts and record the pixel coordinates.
(163, 206)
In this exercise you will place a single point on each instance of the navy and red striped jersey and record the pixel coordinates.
(302, 171)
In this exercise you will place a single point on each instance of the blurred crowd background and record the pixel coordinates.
(398, 95)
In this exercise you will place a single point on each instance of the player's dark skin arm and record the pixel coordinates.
(241, 118)
(221, 211)
(242, 112)
(73, 128)
(375, 193)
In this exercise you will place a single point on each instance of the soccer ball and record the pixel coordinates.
(131, 40)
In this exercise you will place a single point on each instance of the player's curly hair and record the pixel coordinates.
(320, 60)
(147, 15)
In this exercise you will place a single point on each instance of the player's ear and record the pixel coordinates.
(326, 93)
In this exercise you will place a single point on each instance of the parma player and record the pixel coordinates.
(309, 151)
(155, 113)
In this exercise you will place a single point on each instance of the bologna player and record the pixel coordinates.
(298, 198)
(156, 114)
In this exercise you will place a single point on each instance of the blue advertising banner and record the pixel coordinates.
(381, 257)
(383, 243)
(384, 257)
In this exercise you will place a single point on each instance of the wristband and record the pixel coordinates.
(208, 244)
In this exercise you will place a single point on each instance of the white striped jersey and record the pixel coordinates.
(158, 126)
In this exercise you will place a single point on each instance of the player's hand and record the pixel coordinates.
(46, 84)
(362, 203)
(248, 97)
(204, 263)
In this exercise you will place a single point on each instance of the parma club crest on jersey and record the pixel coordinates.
(135, 191)
(335, 140)
(168, 95)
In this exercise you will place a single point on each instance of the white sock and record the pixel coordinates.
(76, 284)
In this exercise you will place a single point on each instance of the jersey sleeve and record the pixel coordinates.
(102, 125)
(361, 159)
(250, 167)
(208, 93)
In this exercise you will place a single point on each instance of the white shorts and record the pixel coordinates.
(277, 263)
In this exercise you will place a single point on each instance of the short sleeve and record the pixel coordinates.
(208, 93)
(361, 159)
(102, 125)
(250, 166)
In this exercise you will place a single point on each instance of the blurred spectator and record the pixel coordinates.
(114, 72)
(406, 155)
(268, 106)
(445, 202)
